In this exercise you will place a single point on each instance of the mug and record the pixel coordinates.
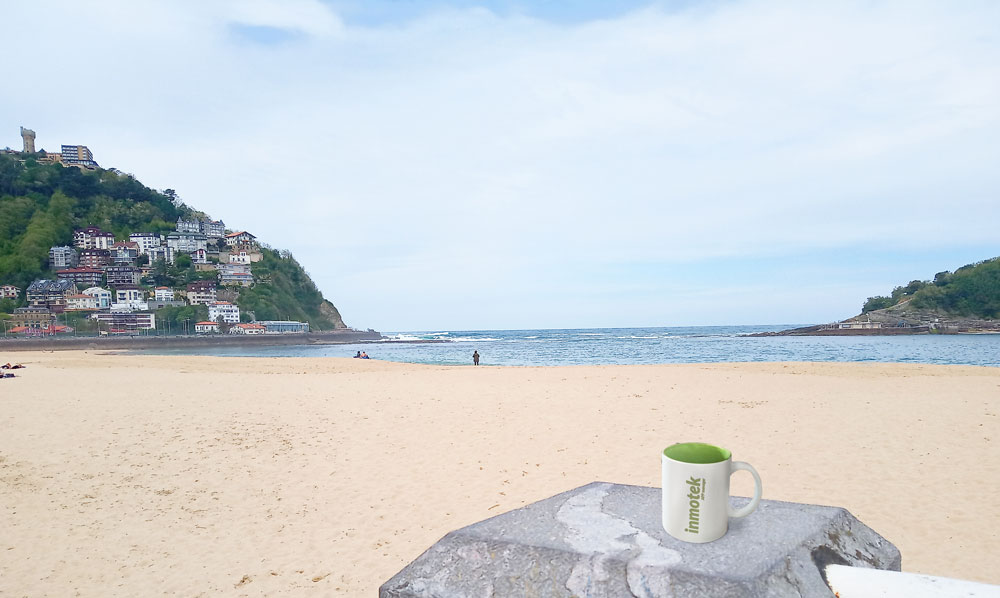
(695, 498)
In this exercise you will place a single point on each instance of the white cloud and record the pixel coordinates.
(468, 155)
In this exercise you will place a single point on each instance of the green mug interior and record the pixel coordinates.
(697, 452)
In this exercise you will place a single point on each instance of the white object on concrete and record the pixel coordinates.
(858, 582)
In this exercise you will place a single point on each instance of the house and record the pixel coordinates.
(62, 257)
(201, 292)
(213, 228)
(225, 310)
(247, 329)
(33, 317)
(9, 291)
(188, 226)
(234, 274)
(118, 275)
(81, 302)
(187, 242)
(206, 327)
(243, 279)
(131, 295)
(145, 241)
(124, 253)
(94, 258)
(162, 252)
(242, 237)
(199, 256)
(163, 294)
(92, 238)
(101, 296)
(124, 323)
(87, 277)
(50, 294)
(284, 326)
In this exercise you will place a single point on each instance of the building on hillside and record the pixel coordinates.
(9, 291)
(201, 292)
(62, 257)
(284, 326)
(240, 238)
(28, 136)
(225, 310)
(162, 252)
(124, 253)
(244, 253)
(199, 256)
(119, 275)
(33, 317)
(234, 274)
(145, 241)
(130, 295)
(78, 155)
(206, 327)
(188, 226)
(101, 296)
(163, 294)
(81, 302)
(86, 277)
(92, 238)
(155, 304)
(124, 322)
(50, 293)
(187, 242)
(94, 258)
(247, 329)
(213, 229)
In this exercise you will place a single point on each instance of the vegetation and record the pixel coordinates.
(971, 291)
(42, 204)
(285, 292)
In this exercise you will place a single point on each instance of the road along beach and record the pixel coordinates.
(139, 474)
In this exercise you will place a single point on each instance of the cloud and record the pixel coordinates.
(464, 153)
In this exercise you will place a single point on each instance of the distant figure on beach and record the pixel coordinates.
(475, 358)
(358, 356)
(364, 355)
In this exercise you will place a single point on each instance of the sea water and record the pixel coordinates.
(608, 346)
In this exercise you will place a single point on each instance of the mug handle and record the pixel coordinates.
(757, 490)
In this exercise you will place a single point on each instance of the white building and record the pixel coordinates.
(145, 241)
(163, 294)
(247, 329)
(102, 296)
(225, 310)
(206, 327)
(80, 302)
(240, 238)
(129, 298)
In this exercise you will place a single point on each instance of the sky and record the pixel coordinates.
(460, 165)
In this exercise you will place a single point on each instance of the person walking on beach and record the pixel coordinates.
(475, 358)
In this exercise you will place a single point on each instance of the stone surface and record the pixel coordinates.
(605, 540)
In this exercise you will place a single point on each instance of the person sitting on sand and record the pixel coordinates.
(358, 356)
(364, 355)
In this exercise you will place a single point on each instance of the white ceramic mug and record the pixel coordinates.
(695, 499)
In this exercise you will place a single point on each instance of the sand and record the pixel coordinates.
(145, 476)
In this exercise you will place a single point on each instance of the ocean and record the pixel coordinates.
(613, 346)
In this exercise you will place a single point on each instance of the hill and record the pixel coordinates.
(972, 291)
(41, 205)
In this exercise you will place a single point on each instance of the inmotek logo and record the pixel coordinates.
(696, 494)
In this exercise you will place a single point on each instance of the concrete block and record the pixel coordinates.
(606, 541)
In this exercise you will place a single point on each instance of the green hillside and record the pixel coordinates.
(42, 204)
(971, 291)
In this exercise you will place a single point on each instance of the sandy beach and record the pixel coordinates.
(130, 475)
